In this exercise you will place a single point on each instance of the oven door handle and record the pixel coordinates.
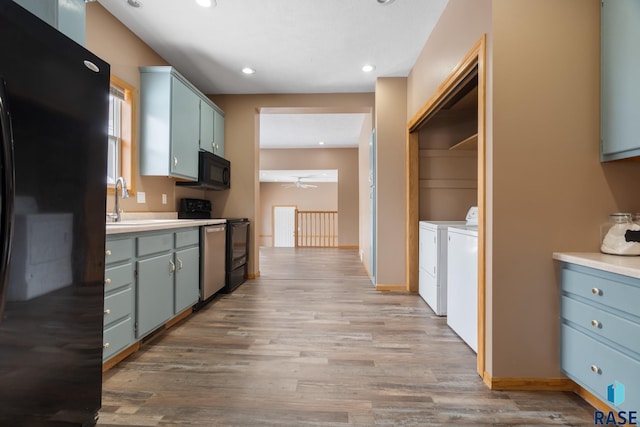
(7, 197)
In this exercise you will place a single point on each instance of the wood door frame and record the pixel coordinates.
(475, 57)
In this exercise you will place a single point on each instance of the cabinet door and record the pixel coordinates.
(206, 127)
(185, 130)
(187, 282)
(218, 133)
(66, 16)
(620, 88)
(154, 304)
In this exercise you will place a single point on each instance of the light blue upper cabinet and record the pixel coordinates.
(68, 16)
(206, 127)
(218, 134)
(211, 128)
(169, 124)
(620, 85)
(176, 121)
(185, 130)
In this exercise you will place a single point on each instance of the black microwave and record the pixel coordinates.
(214, 172)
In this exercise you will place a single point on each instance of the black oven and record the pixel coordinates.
(237, 252)
(214, 172)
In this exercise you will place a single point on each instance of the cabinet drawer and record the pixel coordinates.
(116, 277)
(595, 366)
(118, 305)
(187, 238)
(118, 250)
(154, 244)
(117, 338)
(615, 292)
(621, 331)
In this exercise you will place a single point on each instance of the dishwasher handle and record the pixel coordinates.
(214, 229)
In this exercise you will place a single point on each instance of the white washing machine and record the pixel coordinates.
(462, 287)
(432, 277)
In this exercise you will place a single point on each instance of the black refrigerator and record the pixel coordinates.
(54, 100)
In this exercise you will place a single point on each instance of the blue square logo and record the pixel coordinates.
(615, 393)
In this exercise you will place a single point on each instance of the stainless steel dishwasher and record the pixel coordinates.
(213, 240)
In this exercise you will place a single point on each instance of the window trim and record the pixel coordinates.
(128, 115)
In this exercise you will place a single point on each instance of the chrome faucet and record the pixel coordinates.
(115, 216)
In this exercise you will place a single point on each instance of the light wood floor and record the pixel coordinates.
(311, 343)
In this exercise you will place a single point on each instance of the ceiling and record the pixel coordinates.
(322, 175)
(310, 130)
(295, 46)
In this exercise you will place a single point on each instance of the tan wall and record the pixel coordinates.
(460, 26)
(391, 123)
(324, 197)
(345, 160)
(112, 41)
(546, 171)
(242, 131)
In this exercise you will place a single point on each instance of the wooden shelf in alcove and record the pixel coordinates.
(470, 143)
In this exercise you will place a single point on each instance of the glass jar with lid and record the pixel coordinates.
(613, 232)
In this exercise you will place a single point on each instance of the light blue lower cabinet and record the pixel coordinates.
(150, 277)
(119, 296)
(154, 302)
(117, 337)
(187, 281)
(600, 334)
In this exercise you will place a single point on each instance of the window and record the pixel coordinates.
(120, 161)
(116, 98)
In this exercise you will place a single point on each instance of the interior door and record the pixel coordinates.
(372, 205)
(284, 226)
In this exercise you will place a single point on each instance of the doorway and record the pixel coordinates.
(450, 89)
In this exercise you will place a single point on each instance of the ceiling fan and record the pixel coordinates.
(299, 184)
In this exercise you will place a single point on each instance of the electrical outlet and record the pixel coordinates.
(164, 199)
(141, 197)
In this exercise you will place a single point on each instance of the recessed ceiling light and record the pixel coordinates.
(134, 3)
(206, 3)
(385, 1)
(321, 143)
(368, 68)
(248, 70)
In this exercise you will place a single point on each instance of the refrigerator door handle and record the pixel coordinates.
(7, 178)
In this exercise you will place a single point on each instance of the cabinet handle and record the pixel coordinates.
(175, 161)
(595, 324)
(106, 345)
(107, 281)
(596, 291)
(107, 252)
(179, 264)
(173, 267)
(107, 312)
(595, 369)
(213, 146)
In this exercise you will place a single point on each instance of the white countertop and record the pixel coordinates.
(136, 222)
(620, 264)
